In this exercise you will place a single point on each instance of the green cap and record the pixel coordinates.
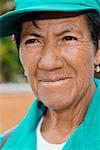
(23, 7)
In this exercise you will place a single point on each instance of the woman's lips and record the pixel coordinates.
(58, 81)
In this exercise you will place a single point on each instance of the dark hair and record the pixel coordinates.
(93, 20)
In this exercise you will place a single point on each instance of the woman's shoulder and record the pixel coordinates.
(4, 136)
(97, 82)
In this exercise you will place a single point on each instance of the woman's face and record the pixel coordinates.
(58, 57)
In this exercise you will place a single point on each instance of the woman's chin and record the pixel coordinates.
(59, 97)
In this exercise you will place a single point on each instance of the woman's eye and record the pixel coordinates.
(30, 41)
(69, 38)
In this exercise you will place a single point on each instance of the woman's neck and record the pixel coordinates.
(61, 123)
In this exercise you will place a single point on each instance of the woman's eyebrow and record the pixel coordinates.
(69, 30)
(36, 35)
(62, 32)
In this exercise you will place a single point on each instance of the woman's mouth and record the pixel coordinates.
(56, 81)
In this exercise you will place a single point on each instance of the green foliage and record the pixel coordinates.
(9, 60)
(10, 68)
(6, 5)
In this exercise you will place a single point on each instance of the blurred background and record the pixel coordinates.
(15, 94)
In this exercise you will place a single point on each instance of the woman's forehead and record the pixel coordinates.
(73, 23)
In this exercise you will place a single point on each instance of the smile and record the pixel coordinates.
(58, 81)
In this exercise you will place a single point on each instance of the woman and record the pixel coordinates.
(58, 43)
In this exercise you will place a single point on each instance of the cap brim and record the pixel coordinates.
(8, 20)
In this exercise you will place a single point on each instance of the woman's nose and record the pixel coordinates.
(50, 59)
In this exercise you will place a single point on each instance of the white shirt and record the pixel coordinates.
(42, 144)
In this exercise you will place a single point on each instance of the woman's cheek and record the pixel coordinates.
(29, 59)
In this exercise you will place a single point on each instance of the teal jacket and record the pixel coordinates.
(85, 137)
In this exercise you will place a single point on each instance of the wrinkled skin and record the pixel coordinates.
(58, 56)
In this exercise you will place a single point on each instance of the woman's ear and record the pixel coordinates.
(97, 55)
(97, 59)
(14, 39)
